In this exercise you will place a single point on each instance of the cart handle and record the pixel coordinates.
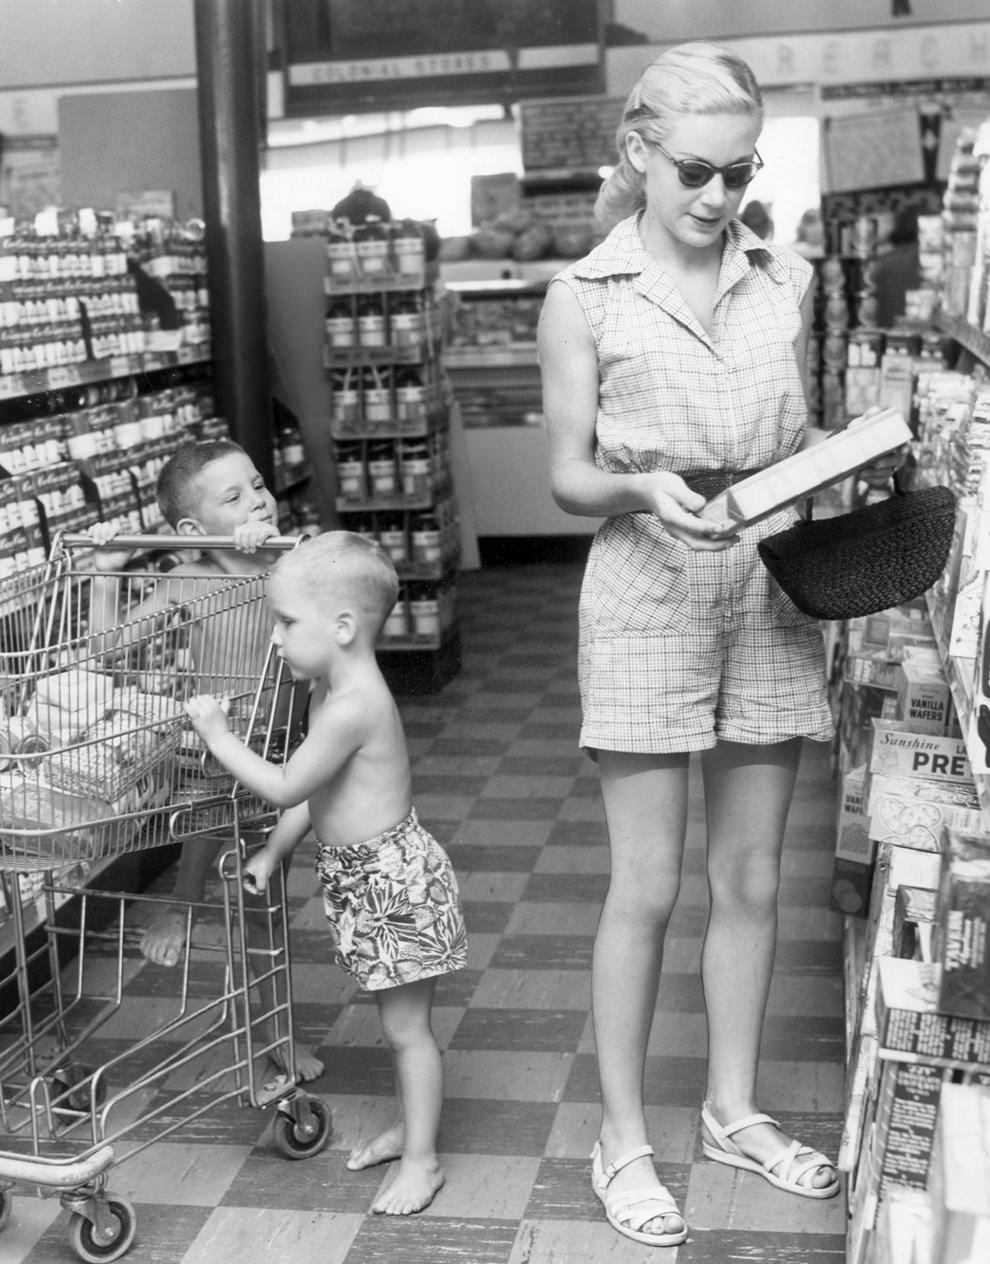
(80, 540)
(55, 1173)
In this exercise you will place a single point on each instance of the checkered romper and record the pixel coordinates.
(679, 648)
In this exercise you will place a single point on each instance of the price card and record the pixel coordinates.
(63, 375)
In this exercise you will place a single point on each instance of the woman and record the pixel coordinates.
(672, 359)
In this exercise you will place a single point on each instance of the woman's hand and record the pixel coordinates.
(881, 469)
(678, 508)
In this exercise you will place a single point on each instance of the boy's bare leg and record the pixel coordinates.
(405, 1015)
(164, 940)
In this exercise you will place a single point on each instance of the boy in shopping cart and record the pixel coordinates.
(207, 488)
(389, 889)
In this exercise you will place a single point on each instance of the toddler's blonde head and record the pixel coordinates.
(342, 565)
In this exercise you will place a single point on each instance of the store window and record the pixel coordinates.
(422, 170)
(789, 183)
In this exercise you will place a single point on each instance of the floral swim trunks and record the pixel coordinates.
(393, 907)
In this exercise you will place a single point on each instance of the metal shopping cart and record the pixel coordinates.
(97, 761)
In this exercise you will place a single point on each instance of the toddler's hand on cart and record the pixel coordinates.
(208, 716)
(257, 870)
(250, 536)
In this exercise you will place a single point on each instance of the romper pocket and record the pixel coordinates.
(636, 581)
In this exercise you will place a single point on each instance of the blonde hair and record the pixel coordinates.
(693, 78)
(344, 560)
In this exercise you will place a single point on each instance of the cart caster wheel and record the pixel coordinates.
(6, 1203)
(299, 1141)
(97, 1248)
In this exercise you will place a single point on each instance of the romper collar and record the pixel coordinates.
(622, 253)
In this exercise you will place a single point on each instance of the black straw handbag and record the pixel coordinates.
(873, 558)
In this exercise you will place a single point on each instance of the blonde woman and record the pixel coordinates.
(672, 358)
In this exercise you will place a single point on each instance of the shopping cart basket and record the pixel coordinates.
(99, 761)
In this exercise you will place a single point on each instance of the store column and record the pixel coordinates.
(229, 73)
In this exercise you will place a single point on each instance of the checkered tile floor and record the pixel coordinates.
(499, 780)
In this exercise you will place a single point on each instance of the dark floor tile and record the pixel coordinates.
(539, 766)
(550, 731)
(543, 952)
(680, 994)
(318, 1183)
(454, 784)
(735, 1246)
(457, 988)
(810, 1039)
(563, 887)
(220, 1123)
(206, 979)
(164, 1234)
(491, 858)
(468, 747)
(358, 1069)
(432, 1240)
(489, 808)
(536, 1030)
(809, 956)
(668, 1081)
(578, 833)
(486, 917)
(469, 1126)
(805, 892)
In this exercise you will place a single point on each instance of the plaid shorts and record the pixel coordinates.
(680, 649)
(393, 907)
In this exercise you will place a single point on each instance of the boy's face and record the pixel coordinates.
(231, 492)
(305, 632)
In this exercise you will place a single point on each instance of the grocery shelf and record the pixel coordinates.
(967, 335)
(89, 372)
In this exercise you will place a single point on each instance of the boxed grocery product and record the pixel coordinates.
(911, 1029)
(962, 926)
(904, 1127)
(905, 1227)
(916, 811)
(900, 751)
(923, 697)
(960, 1176)
(914, 919)
(894, 1154)
(807, 471)
(852, 869)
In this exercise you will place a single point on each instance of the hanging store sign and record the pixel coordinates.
(351, 55)
(959, 50)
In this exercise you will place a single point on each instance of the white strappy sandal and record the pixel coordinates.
(790, 1169)
(651, 1203)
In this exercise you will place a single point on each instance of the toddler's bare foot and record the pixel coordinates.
(383, 1149)
(413, 1188)
(308, 1065)
(165, 939)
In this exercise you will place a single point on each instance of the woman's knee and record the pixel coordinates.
(645, 904)
(751, 888)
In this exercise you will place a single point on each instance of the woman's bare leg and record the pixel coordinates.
(645, 801)
(748, 791)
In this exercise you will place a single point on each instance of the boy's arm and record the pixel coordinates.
(281, 842)
(292, 826)
(336, 731)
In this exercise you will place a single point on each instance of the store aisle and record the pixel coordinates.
(499, 781)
